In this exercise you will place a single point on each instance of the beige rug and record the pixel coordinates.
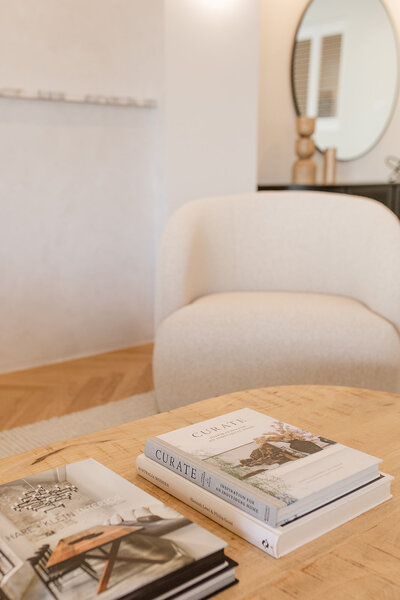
(57, 429)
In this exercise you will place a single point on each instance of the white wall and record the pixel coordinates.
(109, 47)
(211, 98)
(78, 193)
(279, 20)
(86, 189)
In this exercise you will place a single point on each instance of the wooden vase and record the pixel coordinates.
(329, 165)
(304, 169)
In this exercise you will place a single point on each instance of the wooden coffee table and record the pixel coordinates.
(360, 559)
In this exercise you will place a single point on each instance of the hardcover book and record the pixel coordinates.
(81, 531)
(272, 470)
(276, 541)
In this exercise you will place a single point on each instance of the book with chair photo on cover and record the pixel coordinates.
(80, 531)
(274, 471)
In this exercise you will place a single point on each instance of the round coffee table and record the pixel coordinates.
(359, 560)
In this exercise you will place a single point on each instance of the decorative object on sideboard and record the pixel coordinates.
(329, 166)
(393, 163)
(304, 169)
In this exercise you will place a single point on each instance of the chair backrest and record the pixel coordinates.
(287, 241)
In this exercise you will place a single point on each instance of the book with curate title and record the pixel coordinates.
(81, 531)
(276, 541)
(272, 470)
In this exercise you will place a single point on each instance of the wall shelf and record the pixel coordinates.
(97, 99)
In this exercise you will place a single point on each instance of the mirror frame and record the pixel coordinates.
(395, 98)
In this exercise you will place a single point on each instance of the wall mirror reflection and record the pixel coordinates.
(345, 73)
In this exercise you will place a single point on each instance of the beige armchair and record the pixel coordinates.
(277, 288)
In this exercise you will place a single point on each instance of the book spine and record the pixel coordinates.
(230, 517)
(222, 488)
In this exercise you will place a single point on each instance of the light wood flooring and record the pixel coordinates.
(54, 390)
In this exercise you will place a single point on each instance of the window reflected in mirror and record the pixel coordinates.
(344, 73)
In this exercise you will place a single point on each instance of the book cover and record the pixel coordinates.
(81, 531)
(268, 468)
(276, 541)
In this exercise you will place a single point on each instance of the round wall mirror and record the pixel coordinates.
(345, 73)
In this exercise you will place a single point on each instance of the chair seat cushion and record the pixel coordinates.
(232, 341)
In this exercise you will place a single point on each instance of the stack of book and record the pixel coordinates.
(81, 531)
(275, 485)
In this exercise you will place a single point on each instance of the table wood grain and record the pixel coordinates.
(359, 560)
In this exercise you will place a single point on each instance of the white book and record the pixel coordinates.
(272, 470)
(276, 541)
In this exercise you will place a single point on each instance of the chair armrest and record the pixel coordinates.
(177, 272)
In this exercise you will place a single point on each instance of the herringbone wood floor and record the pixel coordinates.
(54, 390)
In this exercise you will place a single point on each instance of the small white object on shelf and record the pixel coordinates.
(101, 99)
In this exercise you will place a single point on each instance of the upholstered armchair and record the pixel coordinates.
(277, 288)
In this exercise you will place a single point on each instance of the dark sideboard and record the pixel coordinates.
(387, 193)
